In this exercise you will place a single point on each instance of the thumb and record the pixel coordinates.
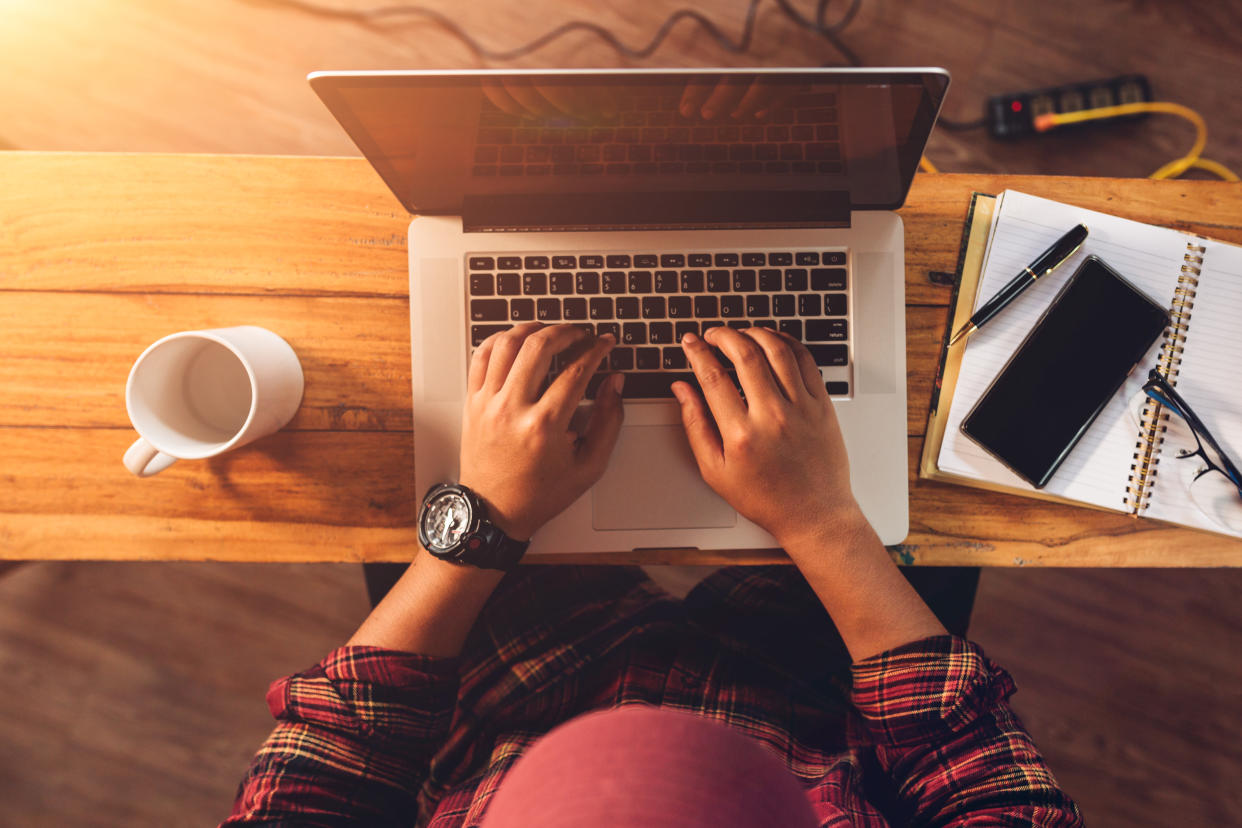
(603, 427)
(700, 428)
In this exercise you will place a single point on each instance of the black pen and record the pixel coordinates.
(1049, 260)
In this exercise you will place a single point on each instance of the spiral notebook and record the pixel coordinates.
(1117, 464)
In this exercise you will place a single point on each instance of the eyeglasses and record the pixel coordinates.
(1214, 483)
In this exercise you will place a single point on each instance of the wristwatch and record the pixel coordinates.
(453, 526)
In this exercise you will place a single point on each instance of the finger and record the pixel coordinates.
(562, 98)
(807, 368)
(694, 95)
(758, 96)
(722, 398)
(725, 96)
(777, 97)
(701, 433)
(568, 389)
(603, 428)
(534, 360)
(478, 364)
(751, 364)
(528, 96)
(781, 360)
(504, 352)
(502, 99)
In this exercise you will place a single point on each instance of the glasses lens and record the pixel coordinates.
(1217, 498)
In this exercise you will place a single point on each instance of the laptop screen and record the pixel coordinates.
(849, 139)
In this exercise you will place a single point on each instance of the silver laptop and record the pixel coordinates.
(648, 203)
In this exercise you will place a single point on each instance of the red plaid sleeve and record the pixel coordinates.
(938, 713)
(353, 739)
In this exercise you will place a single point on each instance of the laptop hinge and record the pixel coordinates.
(697, 210)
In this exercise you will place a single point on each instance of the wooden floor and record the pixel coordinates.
(134, 692)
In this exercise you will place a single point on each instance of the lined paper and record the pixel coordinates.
(1208, 379)
(1098, 468)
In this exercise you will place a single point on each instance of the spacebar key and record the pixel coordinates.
(645, 385)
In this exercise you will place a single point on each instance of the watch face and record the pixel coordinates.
(445, 520)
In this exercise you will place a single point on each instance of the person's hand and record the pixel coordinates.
(740, 97)
(521, 97)
(519, 450)
(778, 456)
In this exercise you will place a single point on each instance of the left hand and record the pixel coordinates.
(519, 452)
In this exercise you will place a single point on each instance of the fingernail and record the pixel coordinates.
(618, 382)
(678, 392)
(608, 337)
(709, 113)
(761, 114)
(689, 339)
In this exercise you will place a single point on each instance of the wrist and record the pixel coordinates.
(509, 521)
(826, 533)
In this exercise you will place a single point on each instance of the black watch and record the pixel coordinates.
(453, 526)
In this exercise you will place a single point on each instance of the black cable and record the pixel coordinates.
(369, 17)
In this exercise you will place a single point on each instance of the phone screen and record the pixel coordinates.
(1063, 374)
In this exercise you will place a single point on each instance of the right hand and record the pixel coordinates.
(778, 457)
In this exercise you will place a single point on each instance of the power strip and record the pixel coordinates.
(1013, 115)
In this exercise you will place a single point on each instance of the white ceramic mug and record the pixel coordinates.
(196, 394)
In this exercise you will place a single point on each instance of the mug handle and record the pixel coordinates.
(145, 460)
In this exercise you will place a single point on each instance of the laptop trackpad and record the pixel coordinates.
(652, 482)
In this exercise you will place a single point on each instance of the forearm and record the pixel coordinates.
(430, 609)
(874, 608)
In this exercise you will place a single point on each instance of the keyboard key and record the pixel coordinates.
(692, 281)
(705, 307)
(837, 389)
(680, 329)
(770, 280)
(560, 284)
(835, 258)
(621, 358)
(534, 284)
(780, 259)
(674, 359)
(784, 304)
(522, 310)
(809, 304)
(726, 260)
(489, 310)
(654, 385)
(738, 324)
(718, 281)
(660, 333)
(478, 333)
(793, 327)
(613, 328)
(679, 307)
(707, 326)
(807, 258)
(834, 304)
(828, 278)
(613, 281)
(574, 308)
(508, 284)
(826, 330)
(586, 282)
(601, 307)
(666, 281)
(743, 281)
(640, 281)
(634, 333)
(548, 310)
(653, 307)
(647, 260)
(481, 284)
(757, 305)
(795, 279)
(509, 263)
(647, 359)
(591, 262)
(731, 306)
(618, 260)
(672, 260)
(482, 263)
(627, 307)
(564, 262)
(765, 323)
(754, 259)
(536, 262)
(700, 259)
(828, 354)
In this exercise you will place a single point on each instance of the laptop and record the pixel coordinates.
(648, 203)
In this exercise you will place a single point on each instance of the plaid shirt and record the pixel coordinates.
(922, 734)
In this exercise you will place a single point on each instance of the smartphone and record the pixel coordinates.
(1064, 372)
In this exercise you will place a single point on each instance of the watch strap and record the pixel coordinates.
(491, 548)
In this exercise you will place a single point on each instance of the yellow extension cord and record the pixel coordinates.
(1174, 168)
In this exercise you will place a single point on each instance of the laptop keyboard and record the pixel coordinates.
(648, 301)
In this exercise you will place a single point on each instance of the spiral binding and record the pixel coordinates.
(1152, 418)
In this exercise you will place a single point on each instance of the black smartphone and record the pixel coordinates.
(1054, 386)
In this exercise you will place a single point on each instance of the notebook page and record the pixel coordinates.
(1207, 380)
(1098, 468)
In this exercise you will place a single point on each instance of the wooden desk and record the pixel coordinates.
(102, 254)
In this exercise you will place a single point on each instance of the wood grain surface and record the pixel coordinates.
(102, 254)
